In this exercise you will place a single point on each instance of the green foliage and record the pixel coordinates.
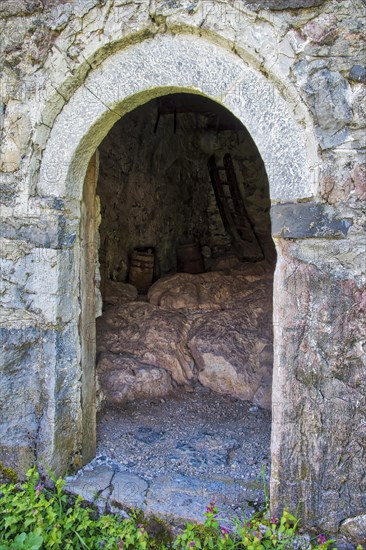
(261, 532)
(159, 532)
(33, 517)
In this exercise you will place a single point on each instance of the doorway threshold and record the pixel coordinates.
(169, 457)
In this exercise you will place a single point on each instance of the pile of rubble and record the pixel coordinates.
(214, 328)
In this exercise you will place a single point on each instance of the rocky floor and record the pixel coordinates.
(170, 456)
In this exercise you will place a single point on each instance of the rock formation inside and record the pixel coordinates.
(211, 325)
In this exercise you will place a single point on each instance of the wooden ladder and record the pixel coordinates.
(231, 206)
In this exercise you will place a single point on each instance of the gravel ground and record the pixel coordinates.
(193, 432)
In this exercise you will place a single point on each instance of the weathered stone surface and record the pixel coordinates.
(224, 262)
(353, 177)
(108, 488)
(355, 529)
(284, 4)
(308, 220)
(173, 497)
(123, 378)
(232, 349)
(116, 293)
(154, 337)
(20, 396)
(327, 335)
(90, 483)
(290, 173)
(213, 290)
(358, 74)
(53, 230)
(306, 55)
(329, 92)
(62, 373)
(128, 491)
(359, 108)
(322, 29)
(30, 352)
(20, 7)
(16, 130)
(233, 353)
(185, 498)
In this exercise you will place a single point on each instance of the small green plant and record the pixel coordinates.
(33, 517)
(261, 532)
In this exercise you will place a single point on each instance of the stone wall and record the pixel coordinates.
(291, 71)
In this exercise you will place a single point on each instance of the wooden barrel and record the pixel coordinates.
(141, 270)
(190, 258)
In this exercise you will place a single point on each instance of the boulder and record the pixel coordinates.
(233, 353)
(149, 334)
(123, 379)
(218, 322)
(354, 529)
(224, 262)
(178, 291)
(116, 293)
(215, 290)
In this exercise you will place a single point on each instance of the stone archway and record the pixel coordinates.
(179, 63)
(129, 78)
(182, 353)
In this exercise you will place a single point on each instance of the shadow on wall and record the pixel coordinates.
(155, 189)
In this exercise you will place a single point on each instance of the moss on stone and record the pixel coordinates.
(8, 473)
